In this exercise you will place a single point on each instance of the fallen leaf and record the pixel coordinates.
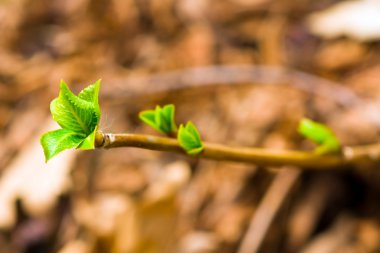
(36, 183)
(356, 19)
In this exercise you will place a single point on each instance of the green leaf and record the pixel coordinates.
(148, 117)
(330, 146)
(189, 139)
(56, 141)
(91, 94)
(321, 135)
(167, 113)
(160, 119)
(77, 115)
(89, 141)
(74, 113)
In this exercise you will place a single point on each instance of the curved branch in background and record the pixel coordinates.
(134, 86)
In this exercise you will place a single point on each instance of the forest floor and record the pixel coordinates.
(245, 71)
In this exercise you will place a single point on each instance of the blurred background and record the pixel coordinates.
(245, 71)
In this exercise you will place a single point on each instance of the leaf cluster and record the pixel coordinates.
(189, 139)
(161, 119)
(78, 117)
(320, 134)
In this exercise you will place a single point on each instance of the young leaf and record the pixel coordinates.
(189, 139)
(167, 113)
(320, 134)
(160, 119)
(73, 113)
(56, 141)
(88, 142)
(91, 94)
(77, 115)
(149, 118)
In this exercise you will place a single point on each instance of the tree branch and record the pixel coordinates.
(350, 156)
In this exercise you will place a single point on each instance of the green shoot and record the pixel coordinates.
(320, 134)
(189, 139)
(78, 117)
(160, 119)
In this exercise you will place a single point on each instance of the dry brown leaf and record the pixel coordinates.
(108, 207)
(199, 242)
(357, 19)
(75, 247)
(340, 54)
(36, 183)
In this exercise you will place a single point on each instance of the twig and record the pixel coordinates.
(306, 212)
(267, 210)
(350, 156)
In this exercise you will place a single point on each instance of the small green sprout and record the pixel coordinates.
(319, 134)
(78, 117)
(160, 119)
(189, 139)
